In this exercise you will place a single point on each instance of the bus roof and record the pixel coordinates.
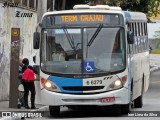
(134, 16)
(130, 16)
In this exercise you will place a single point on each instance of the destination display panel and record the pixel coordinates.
(82, 19)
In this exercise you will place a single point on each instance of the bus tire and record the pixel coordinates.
(117, 110)
(54, 110)
(138, 102)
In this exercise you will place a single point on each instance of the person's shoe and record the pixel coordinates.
(27, 107)
(33, 107)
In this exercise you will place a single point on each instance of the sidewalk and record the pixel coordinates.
(4, 107)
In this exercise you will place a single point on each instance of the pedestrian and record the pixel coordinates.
(28, 83)
(25, 62)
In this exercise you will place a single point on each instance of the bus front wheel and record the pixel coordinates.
(54, 110)
(138, 102)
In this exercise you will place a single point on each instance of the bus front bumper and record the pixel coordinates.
(116, 97)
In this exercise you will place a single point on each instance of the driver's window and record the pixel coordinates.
(116, 46)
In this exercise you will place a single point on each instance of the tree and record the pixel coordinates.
(149, 7)
(154, 8)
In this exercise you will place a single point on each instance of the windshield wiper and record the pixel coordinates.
(95, 35)
(70, 40)
(104, 71)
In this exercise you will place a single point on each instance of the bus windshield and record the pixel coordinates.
(87, 50)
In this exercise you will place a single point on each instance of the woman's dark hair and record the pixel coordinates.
(25, 61)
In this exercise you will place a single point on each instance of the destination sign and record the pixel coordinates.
(83, 19)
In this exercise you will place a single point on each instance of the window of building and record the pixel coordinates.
(31, 4)
(24, 3)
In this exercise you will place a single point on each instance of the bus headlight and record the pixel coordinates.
(115, 85)
(49, 85)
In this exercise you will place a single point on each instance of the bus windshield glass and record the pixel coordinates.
(83, 50)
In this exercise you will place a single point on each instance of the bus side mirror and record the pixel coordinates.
(34, 59)
(130, 37)
(36, 40)
(37, 68)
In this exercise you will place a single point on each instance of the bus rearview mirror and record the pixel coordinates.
(130, 37)
(36, 39)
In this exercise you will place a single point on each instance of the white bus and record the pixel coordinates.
(93, 56)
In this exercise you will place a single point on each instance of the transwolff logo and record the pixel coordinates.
(21, 14)
(6, 4)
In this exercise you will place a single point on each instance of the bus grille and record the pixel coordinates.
(85, 88)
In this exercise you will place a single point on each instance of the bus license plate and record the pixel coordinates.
(107, 99)
(94, 82)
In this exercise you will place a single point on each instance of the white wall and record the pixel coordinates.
(152, 28)
(27, 27)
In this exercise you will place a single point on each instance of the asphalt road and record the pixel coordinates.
(150, 110)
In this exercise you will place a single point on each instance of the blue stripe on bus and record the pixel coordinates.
(127, 15)
(66, 82)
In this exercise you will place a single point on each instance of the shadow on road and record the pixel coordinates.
(90, 112)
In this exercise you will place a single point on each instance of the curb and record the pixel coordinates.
(154, 68)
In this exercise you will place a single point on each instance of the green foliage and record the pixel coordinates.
(153, 8)
(149, 7)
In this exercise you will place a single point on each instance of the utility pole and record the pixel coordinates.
(53, 5)
(14, 66)
(42, 8)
